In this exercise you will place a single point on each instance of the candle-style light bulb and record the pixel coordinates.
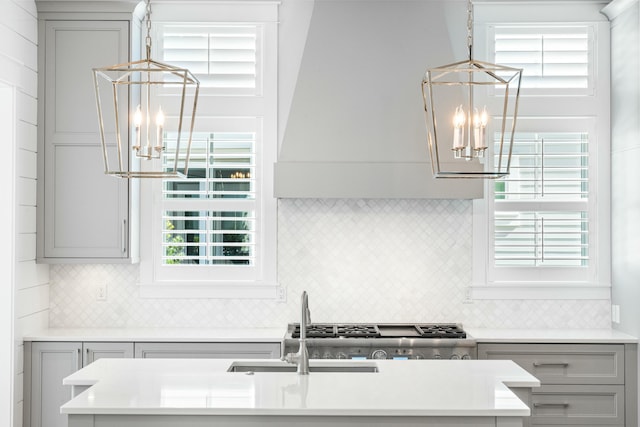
(459, 119)
(137, 117)
(480, 121)
(137, 122)
(159, 127)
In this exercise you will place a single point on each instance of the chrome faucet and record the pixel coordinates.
(301, 358)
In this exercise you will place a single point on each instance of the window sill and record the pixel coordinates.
(546, 291)
(221, 290)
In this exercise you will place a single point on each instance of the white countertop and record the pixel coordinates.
(570, 336)
(160, 334)
(204, 387)
(593, 336)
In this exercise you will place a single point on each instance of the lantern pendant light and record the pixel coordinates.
(149, 106)
(457, 125)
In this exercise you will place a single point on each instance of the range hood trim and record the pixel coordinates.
(347, 180)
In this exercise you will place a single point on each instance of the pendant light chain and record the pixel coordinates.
(148, 38)
(470, 28)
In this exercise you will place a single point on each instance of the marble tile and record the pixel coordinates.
(360, 260)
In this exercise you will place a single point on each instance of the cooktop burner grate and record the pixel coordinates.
(358, 331)
(421, 331)
(441, 331)
(315, 330)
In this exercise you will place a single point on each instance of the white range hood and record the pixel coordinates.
(356, 127)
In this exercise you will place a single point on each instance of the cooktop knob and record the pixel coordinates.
(466, 357)
(379, 354)
(342, 355)
(327, 355)
(437, 356)
(454, 357)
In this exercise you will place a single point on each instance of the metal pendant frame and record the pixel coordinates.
(140, 79)
(447, 86)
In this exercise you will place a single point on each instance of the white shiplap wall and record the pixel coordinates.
(18, 70)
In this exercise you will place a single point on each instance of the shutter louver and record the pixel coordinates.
(222, 57)
(541, 208)
(209, 217)
(551, 58)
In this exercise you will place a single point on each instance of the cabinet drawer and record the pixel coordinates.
(150, 350)
(563, 363)
(578, 405)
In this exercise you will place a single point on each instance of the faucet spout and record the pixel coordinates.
(305, 319)
(301, 358)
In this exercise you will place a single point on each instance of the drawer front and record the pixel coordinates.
(578, 405)
(563, 363)
(262, 350)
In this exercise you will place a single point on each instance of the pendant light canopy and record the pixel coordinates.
(150, 107)
(458, 119)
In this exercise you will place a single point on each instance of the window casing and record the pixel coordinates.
(542, 232)
(213, 234)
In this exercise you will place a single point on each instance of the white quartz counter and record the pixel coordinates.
(460, 388)
(570, 336)
(593, 336)
(159, 335)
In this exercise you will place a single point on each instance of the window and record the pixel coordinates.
(540, 219)
(551, 56)
(213, 234)
(225, 58)
(542, 232)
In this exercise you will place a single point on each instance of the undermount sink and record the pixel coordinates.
(277, 366)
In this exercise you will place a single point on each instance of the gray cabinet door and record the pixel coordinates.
(83, 215)
(207, 350)
(50, 363)
(93, 351)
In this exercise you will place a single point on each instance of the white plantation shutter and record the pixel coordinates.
(537, 238)
(209, 218)
(223, 57)
(541, 208)
(551, 57)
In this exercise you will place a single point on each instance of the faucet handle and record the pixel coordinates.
(290, 358)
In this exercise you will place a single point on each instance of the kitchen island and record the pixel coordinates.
(198, 392)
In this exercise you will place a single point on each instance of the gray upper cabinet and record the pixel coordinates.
(83, 214)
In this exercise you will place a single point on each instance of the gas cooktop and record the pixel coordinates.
(357, 330)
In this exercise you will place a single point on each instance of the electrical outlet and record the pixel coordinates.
(101, 292)
(282, 294)
(615, 313)
(468, 296)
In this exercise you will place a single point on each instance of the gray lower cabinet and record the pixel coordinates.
(46, 364)
(150, 350)
(582, 384)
